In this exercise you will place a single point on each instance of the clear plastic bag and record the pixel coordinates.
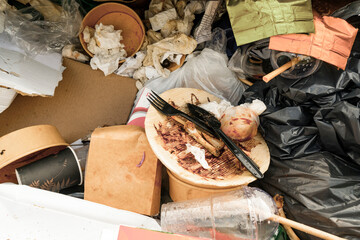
(206, 70)
(252, 60)
(44, 27)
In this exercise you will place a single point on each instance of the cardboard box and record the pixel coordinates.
(122, 171)
(85, 99)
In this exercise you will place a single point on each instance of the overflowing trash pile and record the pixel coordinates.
(179, 119)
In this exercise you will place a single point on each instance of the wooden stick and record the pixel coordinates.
(290, 232)
(247, 82)
(304, 228)
(279, 200)
(281, 69)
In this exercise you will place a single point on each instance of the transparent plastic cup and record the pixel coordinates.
(240, 214)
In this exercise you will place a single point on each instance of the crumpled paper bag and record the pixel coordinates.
(252, 20)
(122, 171)
(331, 42)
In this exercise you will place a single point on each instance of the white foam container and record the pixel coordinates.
(31, 213)
(7, 96)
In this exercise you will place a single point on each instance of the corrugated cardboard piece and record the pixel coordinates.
(252, 20)
(331, 42)
(84, 100)
(122, 171)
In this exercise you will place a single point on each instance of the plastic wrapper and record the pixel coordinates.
(36, 33)
(252, 60)
(312, 128)
(206, 70)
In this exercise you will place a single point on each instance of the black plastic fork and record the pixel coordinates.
(165, 108)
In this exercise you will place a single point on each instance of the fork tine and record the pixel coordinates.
(154, 105)
(158, 97)
(154, 99)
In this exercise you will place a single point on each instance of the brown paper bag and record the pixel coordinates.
(122, 171)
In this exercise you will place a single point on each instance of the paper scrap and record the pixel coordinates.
(106, 63)
(131, 64)
(252, 20)
(331, 42)
(70, 52)
(105, 43)
(216, 108)
(199, 155)
(172, 57)
(160, 19)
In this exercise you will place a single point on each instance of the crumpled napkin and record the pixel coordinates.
(331, 42)
(252, 20)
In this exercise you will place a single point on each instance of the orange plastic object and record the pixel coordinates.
(122, 18)
(331, 42)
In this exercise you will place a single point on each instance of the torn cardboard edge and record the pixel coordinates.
(84, 100)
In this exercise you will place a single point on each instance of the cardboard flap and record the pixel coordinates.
(84, 100)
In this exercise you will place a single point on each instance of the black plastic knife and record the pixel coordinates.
(215, 124)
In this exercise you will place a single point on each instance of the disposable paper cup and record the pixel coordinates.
(52, 173)
(181, 191)
(122, 18)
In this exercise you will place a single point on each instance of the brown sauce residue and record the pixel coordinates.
(174, 138)
(194, 99)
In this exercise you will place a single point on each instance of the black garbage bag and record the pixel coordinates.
(315, 113)
(320, 190)
(312, 128)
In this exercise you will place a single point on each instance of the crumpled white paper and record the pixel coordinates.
(107, 37)
(69, 52)
(106, 63)
(104, 43)
(172, 57)
(143, 74)
(159, 20)
(131, 64)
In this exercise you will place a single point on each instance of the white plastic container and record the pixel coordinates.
(31, 213)
(7, 96)
(240, 214)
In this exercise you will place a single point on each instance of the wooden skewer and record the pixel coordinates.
(304, 228)
(281, 69)
(247, 82)
(279, 201)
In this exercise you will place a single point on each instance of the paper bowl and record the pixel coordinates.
(122, 18)
(181, 191)
(25, 146)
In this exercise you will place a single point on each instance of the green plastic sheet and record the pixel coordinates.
(252, 20)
